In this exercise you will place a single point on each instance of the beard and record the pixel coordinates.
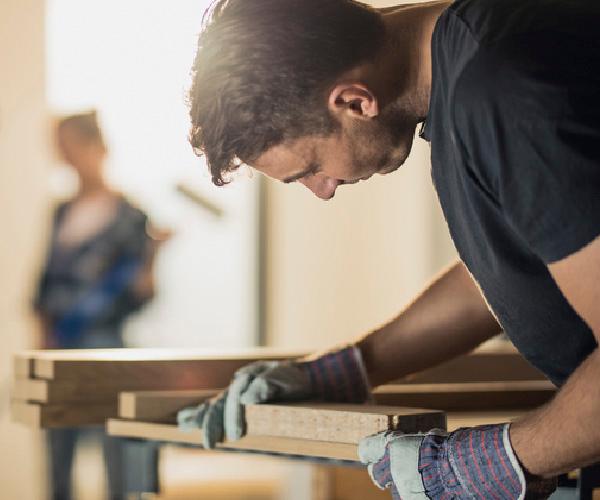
(383, 144)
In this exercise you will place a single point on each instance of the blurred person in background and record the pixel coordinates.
(97, 273)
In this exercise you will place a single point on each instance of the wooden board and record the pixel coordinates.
(468, 396)
(497, 361)
(159, 406)
(23, 366)
(266, 444)
(337, 422)
(181, 368)
(50, 416)
(82, 391)
(287, 446)
(314, 421)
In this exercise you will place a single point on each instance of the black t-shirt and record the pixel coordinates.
(514, 126)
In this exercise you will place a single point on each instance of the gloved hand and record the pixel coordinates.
(337, 376)
(468, 463)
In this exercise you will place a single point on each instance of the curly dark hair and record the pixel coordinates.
(263, 69)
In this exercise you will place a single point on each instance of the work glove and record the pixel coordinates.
(476, 462)
(337, 376)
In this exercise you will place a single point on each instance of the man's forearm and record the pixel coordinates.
(449, 318)
(564, 434)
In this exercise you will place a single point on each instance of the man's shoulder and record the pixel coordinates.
(493, 21)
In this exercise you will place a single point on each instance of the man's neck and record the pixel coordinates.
(403, 65)
(92, 186)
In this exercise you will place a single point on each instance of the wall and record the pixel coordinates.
(22, 212)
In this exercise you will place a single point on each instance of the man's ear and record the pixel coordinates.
(353, 99)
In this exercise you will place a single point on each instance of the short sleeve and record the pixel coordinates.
(529, 118)
(550, 190)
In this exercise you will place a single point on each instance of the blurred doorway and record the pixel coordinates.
(131, 61)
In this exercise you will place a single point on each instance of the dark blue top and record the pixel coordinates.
(514, 126)
(85, 292)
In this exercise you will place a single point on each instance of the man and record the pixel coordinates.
(330, 92)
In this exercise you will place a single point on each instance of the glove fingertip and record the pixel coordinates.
(259, 391)
(372, 448)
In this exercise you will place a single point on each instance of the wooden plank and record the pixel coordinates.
(468, 396)
(314, 421)
(447, 397)
(50, 416)
(490, 363)
(184, 368)
(22, 366)
(287, 446)
(30, 390)
(336, 422)
(83, 391)
(266, 444)
(159, 406)
(472, 418)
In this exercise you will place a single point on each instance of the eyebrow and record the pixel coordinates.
(311, 168)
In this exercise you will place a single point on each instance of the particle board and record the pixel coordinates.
(266, 444)
(315, 420)
(337, 422)
(281, 445)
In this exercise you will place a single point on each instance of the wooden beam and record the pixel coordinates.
(266, 444)
(50, 416)
(83, 391)
(313, 421)
(281, 445)
(183, 367)
(479, 396)
(489, 363)
(336, 422)
(159, 406)
(22, 366)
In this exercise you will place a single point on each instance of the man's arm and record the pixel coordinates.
(565, 434)
(448, 319)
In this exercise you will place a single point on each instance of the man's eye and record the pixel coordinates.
(313, 170)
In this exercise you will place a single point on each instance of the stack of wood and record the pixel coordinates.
(58, 388)
(138, 392)
(316, 430)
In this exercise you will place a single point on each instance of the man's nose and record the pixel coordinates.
(321, 185)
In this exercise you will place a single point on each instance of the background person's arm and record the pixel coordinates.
(449, 318)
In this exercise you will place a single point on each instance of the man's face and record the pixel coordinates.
(349, 155)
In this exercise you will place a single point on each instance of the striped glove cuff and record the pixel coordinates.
(471, 462)
(339, 376)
